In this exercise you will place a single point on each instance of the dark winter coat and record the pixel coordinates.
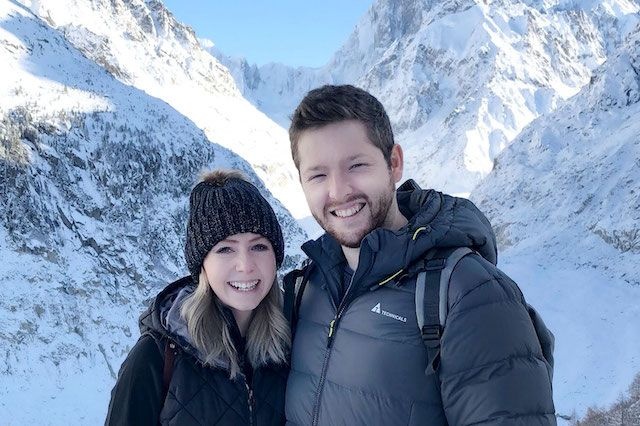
(371, 370)
(197, 394)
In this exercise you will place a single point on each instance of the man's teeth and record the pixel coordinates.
(244, 285)
(349, 212)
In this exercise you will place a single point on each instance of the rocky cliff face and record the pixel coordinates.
(563, 199)
(141, 44)
(577, 169)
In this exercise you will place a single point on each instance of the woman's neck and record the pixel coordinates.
(243, 318)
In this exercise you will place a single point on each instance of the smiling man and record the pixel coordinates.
(359, 355)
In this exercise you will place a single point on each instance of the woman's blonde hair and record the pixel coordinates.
(268, 337)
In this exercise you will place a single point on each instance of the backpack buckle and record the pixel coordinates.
(434, 264)
(431, 335)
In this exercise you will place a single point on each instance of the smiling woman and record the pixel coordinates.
(240, 270)
(222, 325)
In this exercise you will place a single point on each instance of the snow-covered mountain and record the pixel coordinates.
(564, 199)
(141, 44)
(95, 174)
(273, 88)
(460, 79)
(578, 167)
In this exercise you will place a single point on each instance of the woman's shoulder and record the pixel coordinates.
(148, 346)
(137, 395)
(145, 357)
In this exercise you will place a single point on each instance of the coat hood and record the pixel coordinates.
(163, 318)
(435, 220)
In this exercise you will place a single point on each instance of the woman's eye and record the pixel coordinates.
(261, 247)
(223, 250)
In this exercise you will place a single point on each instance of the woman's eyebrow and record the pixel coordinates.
(231, 240)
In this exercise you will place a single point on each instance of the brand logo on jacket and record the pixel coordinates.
(378, 310)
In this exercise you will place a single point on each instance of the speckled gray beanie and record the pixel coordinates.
(224, 204)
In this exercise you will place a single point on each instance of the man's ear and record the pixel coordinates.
(397, 163)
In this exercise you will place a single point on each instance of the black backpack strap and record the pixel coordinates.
(294, 285)
(169, 350)
(431, 298)
(289, 286)
(167, 371)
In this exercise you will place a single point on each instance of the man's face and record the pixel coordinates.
(348, 185)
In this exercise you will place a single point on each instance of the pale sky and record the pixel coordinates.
(295, 33)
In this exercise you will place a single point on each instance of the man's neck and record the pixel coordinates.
(352, 255)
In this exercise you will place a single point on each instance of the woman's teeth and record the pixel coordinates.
(244, 285)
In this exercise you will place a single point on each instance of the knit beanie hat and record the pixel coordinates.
(224, 204)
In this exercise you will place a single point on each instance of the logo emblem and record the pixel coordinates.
(378, 310)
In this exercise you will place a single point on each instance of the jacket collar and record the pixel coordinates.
(435, 220)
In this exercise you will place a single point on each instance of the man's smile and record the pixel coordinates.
(347, 212)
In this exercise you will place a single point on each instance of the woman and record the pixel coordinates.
(214, 344)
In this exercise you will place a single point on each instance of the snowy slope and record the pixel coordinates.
(273, 88)
(94, 176)
(141, 44)
(460, 79)
(564, 199)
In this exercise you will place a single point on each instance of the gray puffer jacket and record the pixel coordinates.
(361, 360)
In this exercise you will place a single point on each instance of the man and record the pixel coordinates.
(358, 355)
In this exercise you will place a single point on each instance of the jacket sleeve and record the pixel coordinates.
(136, 397)
(492, 370)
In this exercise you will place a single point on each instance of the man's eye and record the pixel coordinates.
(223, 250)
(261, 247)
(315, 177)
(357, 165)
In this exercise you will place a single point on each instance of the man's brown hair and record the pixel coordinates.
(332, 104)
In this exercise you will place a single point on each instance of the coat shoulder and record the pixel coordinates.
(476, 281)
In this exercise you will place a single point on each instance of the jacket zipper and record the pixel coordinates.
(250, 401)
(333, 326)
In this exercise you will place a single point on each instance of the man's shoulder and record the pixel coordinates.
(478, 280)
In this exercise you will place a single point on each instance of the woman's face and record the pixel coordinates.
(241, 270)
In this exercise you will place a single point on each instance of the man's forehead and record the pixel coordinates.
(345, 140)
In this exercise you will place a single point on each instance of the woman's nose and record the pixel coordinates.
(245, 262)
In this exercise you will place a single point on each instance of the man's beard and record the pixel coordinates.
(378, 211)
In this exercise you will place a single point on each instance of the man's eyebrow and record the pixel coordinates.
(319, 167)
(357, 157)
(314, 168)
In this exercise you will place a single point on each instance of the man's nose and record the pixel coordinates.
(339, 186)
